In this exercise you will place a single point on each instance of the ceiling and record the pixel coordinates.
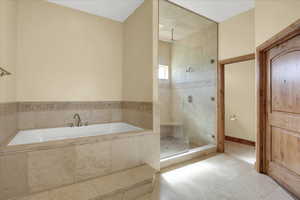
(182, 22)
(117, 10)
(217, 10)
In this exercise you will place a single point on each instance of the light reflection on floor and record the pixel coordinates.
(242, 152)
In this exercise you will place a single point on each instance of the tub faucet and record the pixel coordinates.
(77, 120)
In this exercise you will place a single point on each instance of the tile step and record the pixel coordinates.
(131, 184)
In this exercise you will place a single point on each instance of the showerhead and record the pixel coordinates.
(172, 35)
(3, 72)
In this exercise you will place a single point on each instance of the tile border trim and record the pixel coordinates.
(83, 105)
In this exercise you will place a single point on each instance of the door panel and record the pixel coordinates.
(286, 178)
(285, 149)
(286, 121)
(285, 70)
(283, 114)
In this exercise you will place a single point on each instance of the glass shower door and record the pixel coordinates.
(188, 50)
(173, 140)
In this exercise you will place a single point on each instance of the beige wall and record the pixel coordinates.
(236, 36)
(272, 16)
(64, 54)
(8, 46)
(67, 55)
(138, 54)
(139, 70)
(8, 27)
(240, 100)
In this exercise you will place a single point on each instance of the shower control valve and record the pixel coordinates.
(190, 99)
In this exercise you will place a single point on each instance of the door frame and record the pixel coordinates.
(261, 80)
(261, 92)
(221, 97)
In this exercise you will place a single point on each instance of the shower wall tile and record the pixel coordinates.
(165, 102)
(166, 131)
(196, 52)
(8, 121)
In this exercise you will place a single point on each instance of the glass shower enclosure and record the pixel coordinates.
(188, 53)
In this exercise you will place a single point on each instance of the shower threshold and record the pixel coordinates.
(187, 155)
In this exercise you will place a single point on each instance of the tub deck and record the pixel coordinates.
(40, 139)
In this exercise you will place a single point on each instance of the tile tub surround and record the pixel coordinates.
(138, 113)
(36, 115)
(135, 183)
(42, 168)
(8, 121)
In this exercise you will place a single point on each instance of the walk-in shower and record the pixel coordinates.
(188, 53)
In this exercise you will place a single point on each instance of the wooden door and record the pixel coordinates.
(283, 114)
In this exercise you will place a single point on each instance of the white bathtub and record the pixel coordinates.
(52, 134)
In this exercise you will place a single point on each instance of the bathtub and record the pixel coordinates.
(57, 157)
(54, 134)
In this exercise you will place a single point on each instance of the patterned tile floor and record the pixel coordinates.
(170, 146)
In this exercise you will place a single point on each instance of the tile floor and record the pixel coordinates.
(228, 176)
(241, 152)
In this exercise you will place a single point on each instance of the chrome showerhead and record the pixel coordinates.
(3, 72)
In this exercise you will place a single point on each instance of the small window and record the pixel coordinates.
(163, 72)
